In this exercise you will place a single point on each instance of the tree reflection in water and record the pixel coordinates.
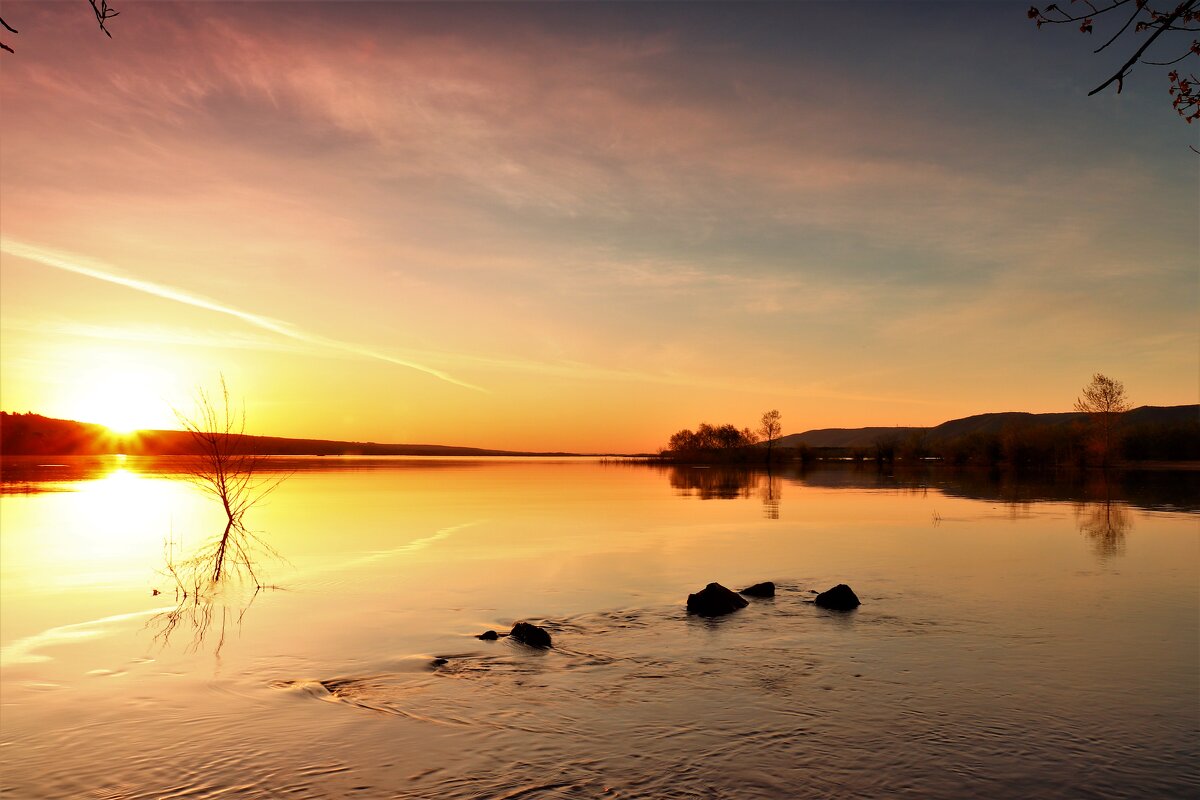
(770, 490)
(207, 616)
(1102, 502)
(728, 483)
(1104, 523)
(1104, 520)
(206, 608)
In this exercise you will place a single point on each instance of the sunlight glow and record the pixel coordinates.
(109, 532)
(120, 392)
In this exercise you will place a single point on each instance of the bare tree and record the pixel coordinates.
(99, 8)
(770, 429)
(1104, 401)
(225, 465)
(1153, 17)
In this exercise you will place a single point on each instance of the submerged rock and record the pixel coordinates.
(530, 634)
(839, 598)
(764, 589)
(488, 636)
(439, 662)
(714, 600)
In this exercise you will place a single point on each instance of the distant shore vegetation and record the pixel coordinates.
(1081, 439)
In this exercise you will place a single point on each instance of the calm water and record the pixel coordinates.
(1016, 639)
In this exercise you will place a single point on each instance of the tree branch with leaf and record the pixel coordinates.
(1139, 17)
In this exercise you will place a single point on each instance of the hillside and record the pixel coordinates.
(843, 437)
(33, 434)
(993, 424)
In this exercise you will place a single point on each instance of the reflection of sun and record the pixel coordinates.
(108, 532)
(122, 394)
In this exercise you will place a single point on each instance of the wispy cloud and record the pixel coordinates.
(171, 337)
(80, 265)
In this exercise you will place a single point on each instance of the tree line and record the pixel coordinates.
(1102, 431)
(725, 443)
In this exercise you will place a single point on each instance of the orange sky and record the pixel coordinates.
(582, 227)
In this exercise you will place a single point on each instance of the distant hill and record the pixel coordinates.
(842, 437)
(984, 424)
(33, 434)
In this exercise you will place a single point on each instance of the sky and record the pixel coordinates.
(584, 226)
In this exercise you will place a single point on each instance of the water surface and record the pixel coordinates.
(1017, 638)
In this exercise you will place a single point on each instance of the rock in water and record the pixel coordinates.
(530, 634)
(764, 589)
(488, 636)
(714, 600)
(839, 598)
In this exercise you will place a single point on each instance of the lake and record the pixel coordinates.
(1017, 638)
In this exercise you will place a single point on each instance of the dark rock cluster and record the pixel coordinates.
(715, 600)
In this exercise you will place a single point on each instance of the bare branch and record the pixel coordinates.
(1063, 17)
(1120, 74)
(10, 29)
(1190, 52)
(1123, 28)
(103, 14)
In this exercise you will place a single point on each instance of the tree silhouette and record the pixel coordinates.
(770, 429)
(1104, 401)
(710, 442)
(1156, 19)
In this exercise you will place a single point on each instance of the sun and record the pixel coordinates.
(119, 415)
(120, 393)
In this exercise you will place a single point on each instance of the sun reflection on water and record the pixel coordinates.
(106, 533)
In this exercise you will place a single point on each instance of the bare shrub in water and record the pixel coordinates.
(225, 465)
